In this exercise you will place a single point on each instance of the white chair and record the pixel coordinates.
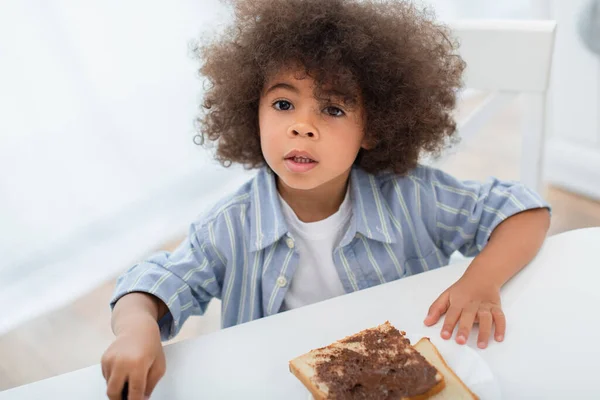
(509, 59)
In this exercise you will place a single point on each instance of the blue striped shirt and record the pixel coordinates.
(242, 253)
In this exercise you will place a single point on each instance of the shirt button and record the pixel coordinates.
(281, 281)
(289, 242)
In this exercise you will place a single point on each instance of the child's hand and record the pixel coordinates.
(470, 300)
(136, 357)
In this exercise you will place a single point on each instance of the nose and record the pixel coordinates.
(303, 130)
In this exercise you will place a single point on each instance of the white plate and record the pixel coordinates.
(467, 364)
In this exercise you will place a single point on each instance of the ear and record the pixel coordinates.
(367, 143)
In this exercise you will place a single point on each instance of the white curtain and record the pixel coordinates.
(97, 162)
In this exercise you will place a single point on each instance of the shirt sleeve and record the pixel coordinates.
(467, 212)
(185, 280)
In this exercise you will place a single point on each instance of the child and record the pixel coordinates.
(334, 101)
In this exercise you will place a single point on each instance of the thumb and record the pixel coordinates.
(437, 309)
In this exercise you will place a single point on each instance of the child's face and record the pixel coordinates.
(307, 142)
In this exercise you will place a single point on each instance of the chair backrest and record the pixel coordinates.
(506, 55)
(509, 58)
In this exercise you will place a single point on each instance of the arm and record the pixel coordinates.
(475, 297)
(136, 356)
(503, 224)
(170, 287)
(136, 306)
(151, 302)
(512, 245)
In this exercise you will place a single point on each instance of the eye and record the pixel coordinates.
(282, 105)
(334, 111)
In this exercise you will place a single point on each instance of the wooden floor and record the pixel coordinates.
(76, 336)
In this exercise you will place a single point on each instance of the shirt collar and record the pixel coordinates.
(370, 217)
(267, 224)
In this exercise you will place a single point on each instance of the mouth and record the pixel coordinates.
(301, 157)
(299, 161)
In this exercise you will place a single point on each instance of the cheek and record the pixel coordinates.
(349, 140)
(270, 140)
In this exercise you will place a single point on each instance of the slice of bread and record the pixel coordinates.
(455, 388)
(375, 363)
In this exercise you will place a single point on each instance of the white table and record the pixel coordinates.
(551, 348)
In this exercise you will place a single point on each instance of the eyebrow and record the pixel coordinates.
(282, 85)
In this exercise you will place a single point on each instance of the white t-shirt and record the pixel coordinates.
(316, 278)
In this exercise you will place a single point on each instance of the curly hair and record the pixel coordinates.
(402, 62)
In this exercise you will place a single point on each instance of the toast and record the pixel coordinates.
(455, 388)
(377, 363)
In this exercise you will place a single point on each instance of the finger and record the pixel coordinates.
(450, 321)
(485, 327)
(115, 384)
(106, 364)
(465, 324)
(154, 375)
(137, 385)
(104, 372)
(500, 322)
(437, 309)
